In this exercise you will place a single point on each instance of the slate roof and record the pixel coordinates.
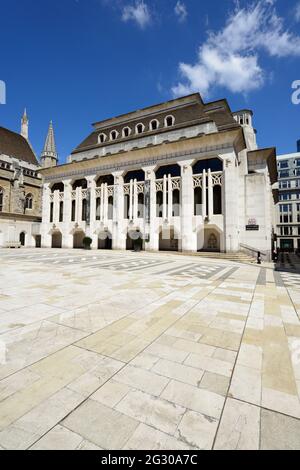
(16, 146)
(188, 111)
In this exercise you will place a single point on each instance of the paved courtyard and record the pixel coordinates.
(110, 350)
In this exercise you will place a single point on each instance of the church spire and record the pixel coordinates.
(24, 125)
(49, 155)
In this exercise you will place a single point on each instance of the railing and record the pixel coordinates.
(176, 183)
(254, 251)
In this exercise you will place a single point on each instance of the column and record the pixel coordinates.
(105, 215)
(56, 207)
(151, 225)
(131, 200)
(119, 238)
(210, 196)
(135, 200)
(67, 237)
(170, 198)
(204, 212)
(91, 199)
(46, 226)
(102, 203)
(67, 201)
(231, 185)
(165, 198)
(188, 236)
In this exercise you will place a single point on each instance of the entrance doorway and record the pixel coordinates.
(168, 241)
(38, 241)
(104, 241)
(22, 238)
(78, 239)
(56, 240)
(211, 240)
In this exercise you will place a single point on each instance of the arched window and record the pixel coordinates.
(159, 203)
(101, 138)
(84, 210)
(198, 201)
(73, 215)
(1, 199)
(141, 206)
(113, 135)
(126, 206)
(169, 121)
(61, 211)
(98, 206)
(139, 128)
(28, 201)
(51, 211)
(126, 132)
(110, 208)
(79, 184)
(217, 192)
(154, 125)
(176, 203)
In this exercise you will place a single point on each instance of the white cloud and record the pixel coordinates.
(181, 11)
(230, 57)
(138, 12)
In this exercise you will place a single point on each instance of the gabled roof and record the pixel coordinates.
(16, 146)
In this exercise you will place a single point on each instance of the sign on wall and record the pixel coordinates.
(252, 226)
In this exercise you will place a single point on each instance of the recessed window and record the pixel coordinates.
(139, 129)
(113, 135)
(169, 121)
(154, 125)
(28, 201)
(1, 199)
(101, 138)
(126, 132)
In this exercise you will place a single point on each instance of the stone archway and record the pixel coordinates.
(78, 237)
(56, 239)
(168, 240)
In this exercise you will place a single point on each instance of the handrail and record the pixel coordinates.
(253, 250)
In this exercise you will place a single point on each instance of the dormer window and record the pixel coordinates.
(169, 121)
(154, 125)
(101, 138)
(139, 129)
(113, 135)
(126, 132)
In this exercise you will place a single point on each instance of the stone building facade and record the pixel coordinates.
(288, 209)
(20, 190)
(182, 175)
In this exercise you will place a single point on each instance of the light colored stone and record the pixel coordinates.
(182, 373)
(111, 393)
(152, 411)
(142, 379)
(202, 401)
(197, 430)
(101, 425)
(279, 432)
(239, 428)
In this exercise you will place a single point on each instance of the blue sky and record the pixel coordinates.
(80, 61)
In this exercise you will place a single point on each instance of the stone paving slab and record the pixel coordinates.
(111, 350)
